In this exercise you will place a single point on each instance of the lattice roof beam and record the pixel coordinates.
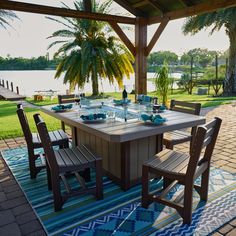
(186, 3)
(129, 7)
(157, 5)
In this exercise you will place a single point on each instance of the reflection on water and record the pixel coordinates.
(31, 81)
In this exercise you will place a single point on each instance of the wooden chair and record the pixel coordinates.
(33, 141)
(68, 160)
(180, 136)
(65, 99)
(181, 168)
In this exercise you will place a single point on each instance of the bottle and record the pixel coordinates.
(155, 100)
(124, 94)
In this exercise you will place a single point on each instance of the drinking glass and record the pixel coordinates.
(111, 115)
(139, 100)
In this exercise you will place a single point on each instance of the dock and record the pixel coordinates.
(10, 95)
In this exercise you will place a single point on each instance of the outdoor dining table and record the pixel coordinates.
(123, 145)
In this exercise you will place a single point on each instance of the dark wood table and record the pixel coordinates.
(124, 146)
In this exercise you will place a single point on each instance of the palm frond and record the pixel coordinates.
(5, 17)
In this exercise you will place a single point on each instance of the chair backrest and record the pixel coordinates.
(24, 124)
(66, 98)
(186, 107)
(46, 142)
(205, 138)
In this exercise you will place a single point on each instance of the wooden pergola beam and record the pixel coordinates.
(151, 2)
(123, 37)
(140, 4)
(198, 9)
(129, 7)
(157, 5)
(64, 12)
(156, 35)
(186, 3)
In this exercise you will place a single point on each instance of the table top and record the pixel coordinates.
(117, 130)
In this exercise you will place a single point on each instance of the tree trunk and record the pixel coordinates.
(230, 80)
(95, 84)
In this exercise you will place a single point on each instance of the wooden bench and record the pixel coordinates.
(68, 160)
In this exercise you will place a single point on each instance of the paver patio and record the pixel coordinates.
(18, 218)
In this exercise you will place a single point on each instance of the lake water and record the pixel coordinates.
(36, 80)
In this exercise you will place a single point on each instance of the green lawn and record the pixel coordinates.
(10, 127)
(9, 123)
(205, 100)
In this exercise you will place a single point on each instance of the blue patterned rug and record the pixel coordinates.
(120, 212)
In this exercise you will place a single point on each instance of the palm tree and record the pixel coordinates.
(226, 18)
(89, 51)
(5, 16)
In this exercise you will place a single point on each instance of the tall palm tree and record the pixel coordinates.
(5, 16)
(89, 51)
(218, 19)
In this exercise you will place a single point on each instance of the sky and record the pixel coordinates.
(28, 36)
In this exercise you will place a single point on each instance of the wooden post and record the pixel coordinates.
(140, 57)
(7, 85)
(3, 83)
(216, 65)
(17, 90)
(191, 74)
(12, 89)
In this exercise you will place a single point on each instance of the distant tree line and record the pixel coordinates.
(20, 63)
(202, 58)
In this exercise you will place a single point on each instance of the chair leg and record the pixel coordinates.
(99, 183)
(63, 126)
(86, 174)
(169, 145)
(32, 166)
(56, 188)
(49, 177)
(188, 202)
(145, 187)
(204, 185)
(66, 145)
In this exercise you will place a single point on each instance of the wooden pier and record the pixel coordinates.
(8, 93)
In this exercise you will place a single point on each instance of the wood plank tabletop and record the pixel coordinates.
(120, 131)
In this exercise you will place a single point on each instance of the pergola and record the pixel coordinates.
(145, 13)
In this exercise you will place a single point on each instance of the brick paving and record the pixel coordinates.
(18, 218)
(16, 215)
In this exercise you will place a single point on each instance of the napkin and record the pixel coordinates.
(147, 98)
(93, 116)
(162, 108)
(156, 119)
(62, 107)
(121, 102)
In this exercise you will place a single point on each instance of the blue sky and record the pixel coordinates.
(29, 36)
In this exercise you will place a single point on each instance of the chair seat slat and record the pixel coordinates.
(79, 155)
(72, 156)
